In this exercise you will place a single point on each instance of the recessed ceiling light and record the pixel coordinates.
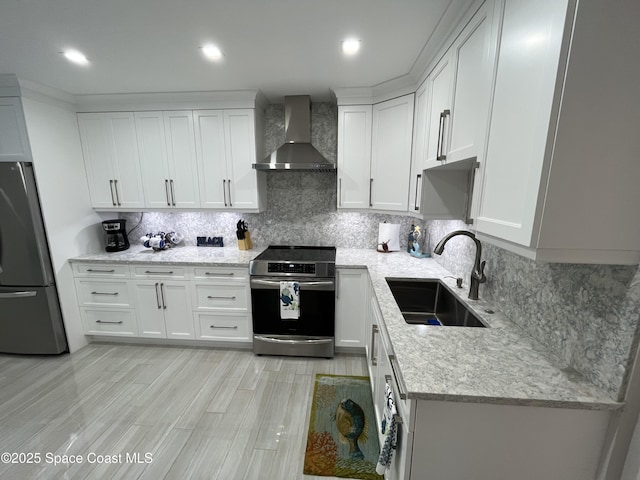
(212, 52)
(350, 46)
(76, 57)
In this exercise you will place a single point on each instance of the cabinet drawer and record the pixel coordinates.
(103, 292)
(228, 327)
(221, 296)
(113, 321)
(221, 273)
(160, 271)
(100, 270)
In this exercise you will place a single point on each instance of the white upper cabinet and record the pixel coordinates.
(14, 143)
(561, 168)
(419, 151)
(166, 141)
(439, 112)
(458, 89)
(392, 129)
(354, 155)
(473, 55)
(226, 151)
(374, 154)
(111, 160)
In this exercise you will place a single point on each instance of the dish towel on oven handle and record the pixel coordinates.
(389, 429)
(289, 300)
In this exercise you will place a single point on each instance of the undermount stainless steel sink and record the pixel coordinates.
(429, 302)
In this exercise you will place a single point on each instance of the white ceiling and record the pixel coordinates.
(281, 47)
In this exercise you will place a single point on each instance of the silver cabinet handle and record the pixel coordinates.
(212, 297)
(229, 186)
(225, 274)
(416, 207)
(113, 198)
(340, 192)
(472, 179)
(158, 297)
(441, 136)
(149, 272)
(173, 193)
(164, 303)
(115, 294)
(370, 191)
(401, 388)
(18, 294)
(115, 184)
(224, 191)
(99, 271)
(235, 327)
(166, 191)
(374, 330)
(115, 323)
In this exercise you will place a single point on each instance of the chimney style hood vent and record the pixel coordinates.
(296, 153)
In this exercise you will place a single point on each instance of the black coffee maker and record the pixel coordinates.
(117, 239)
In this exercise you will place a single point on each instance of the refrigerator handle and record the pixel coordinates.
(18, 294)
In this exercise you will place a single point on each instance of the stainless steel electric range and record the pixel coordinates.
(293, 301)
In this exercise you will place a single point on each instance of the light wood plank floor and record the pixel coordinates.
(198, 413)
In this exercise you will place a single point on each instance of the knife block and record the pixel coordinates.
(245, 243)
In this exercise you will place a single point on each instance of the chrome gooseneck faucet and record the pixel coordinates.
(477, 275)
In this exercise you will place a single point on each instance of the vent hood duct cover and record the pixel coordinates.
(296, 153)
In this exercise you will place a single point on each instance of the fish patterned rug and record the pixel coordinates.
(342, 439)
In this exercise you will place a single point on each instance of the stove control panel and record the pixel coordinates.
(285, 267)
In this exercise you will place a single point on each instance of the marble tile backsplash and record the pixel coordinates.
(587, 315)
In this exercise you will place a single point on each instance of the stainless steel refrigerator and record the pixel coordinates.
(30, 316)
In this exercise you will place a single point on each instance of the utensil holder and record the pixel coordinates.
(245, 243)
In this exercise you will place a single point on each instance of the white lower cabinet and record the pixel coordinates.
(105, 299)
(164, 309)
(351, 298)
(161, 301)
(380, 356)
(222, 304)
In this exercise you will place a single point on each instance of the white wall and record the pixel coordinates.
(72, 225)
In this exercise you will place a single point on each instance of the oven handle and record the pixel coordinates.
(265, 284)
(306, 341)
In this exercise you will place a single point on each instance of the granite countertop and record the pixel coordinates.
(499, 364)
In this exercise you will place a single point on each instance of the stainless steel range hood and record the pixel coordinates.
(296, 153)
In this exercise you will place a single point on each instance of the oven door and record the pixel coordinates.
(317, 307)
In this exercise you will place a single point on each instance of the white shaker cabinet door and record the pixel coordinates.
(210, 152)
(354, 155)
(439, 116)
(520, 120)
(153, 158)
(351, 299)
(392, 130)
(181, 154)
(240, 143)
(474, 57)
(178, 316)
(150, 309)
(128, 182)
(96, 149)
(111, 160)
